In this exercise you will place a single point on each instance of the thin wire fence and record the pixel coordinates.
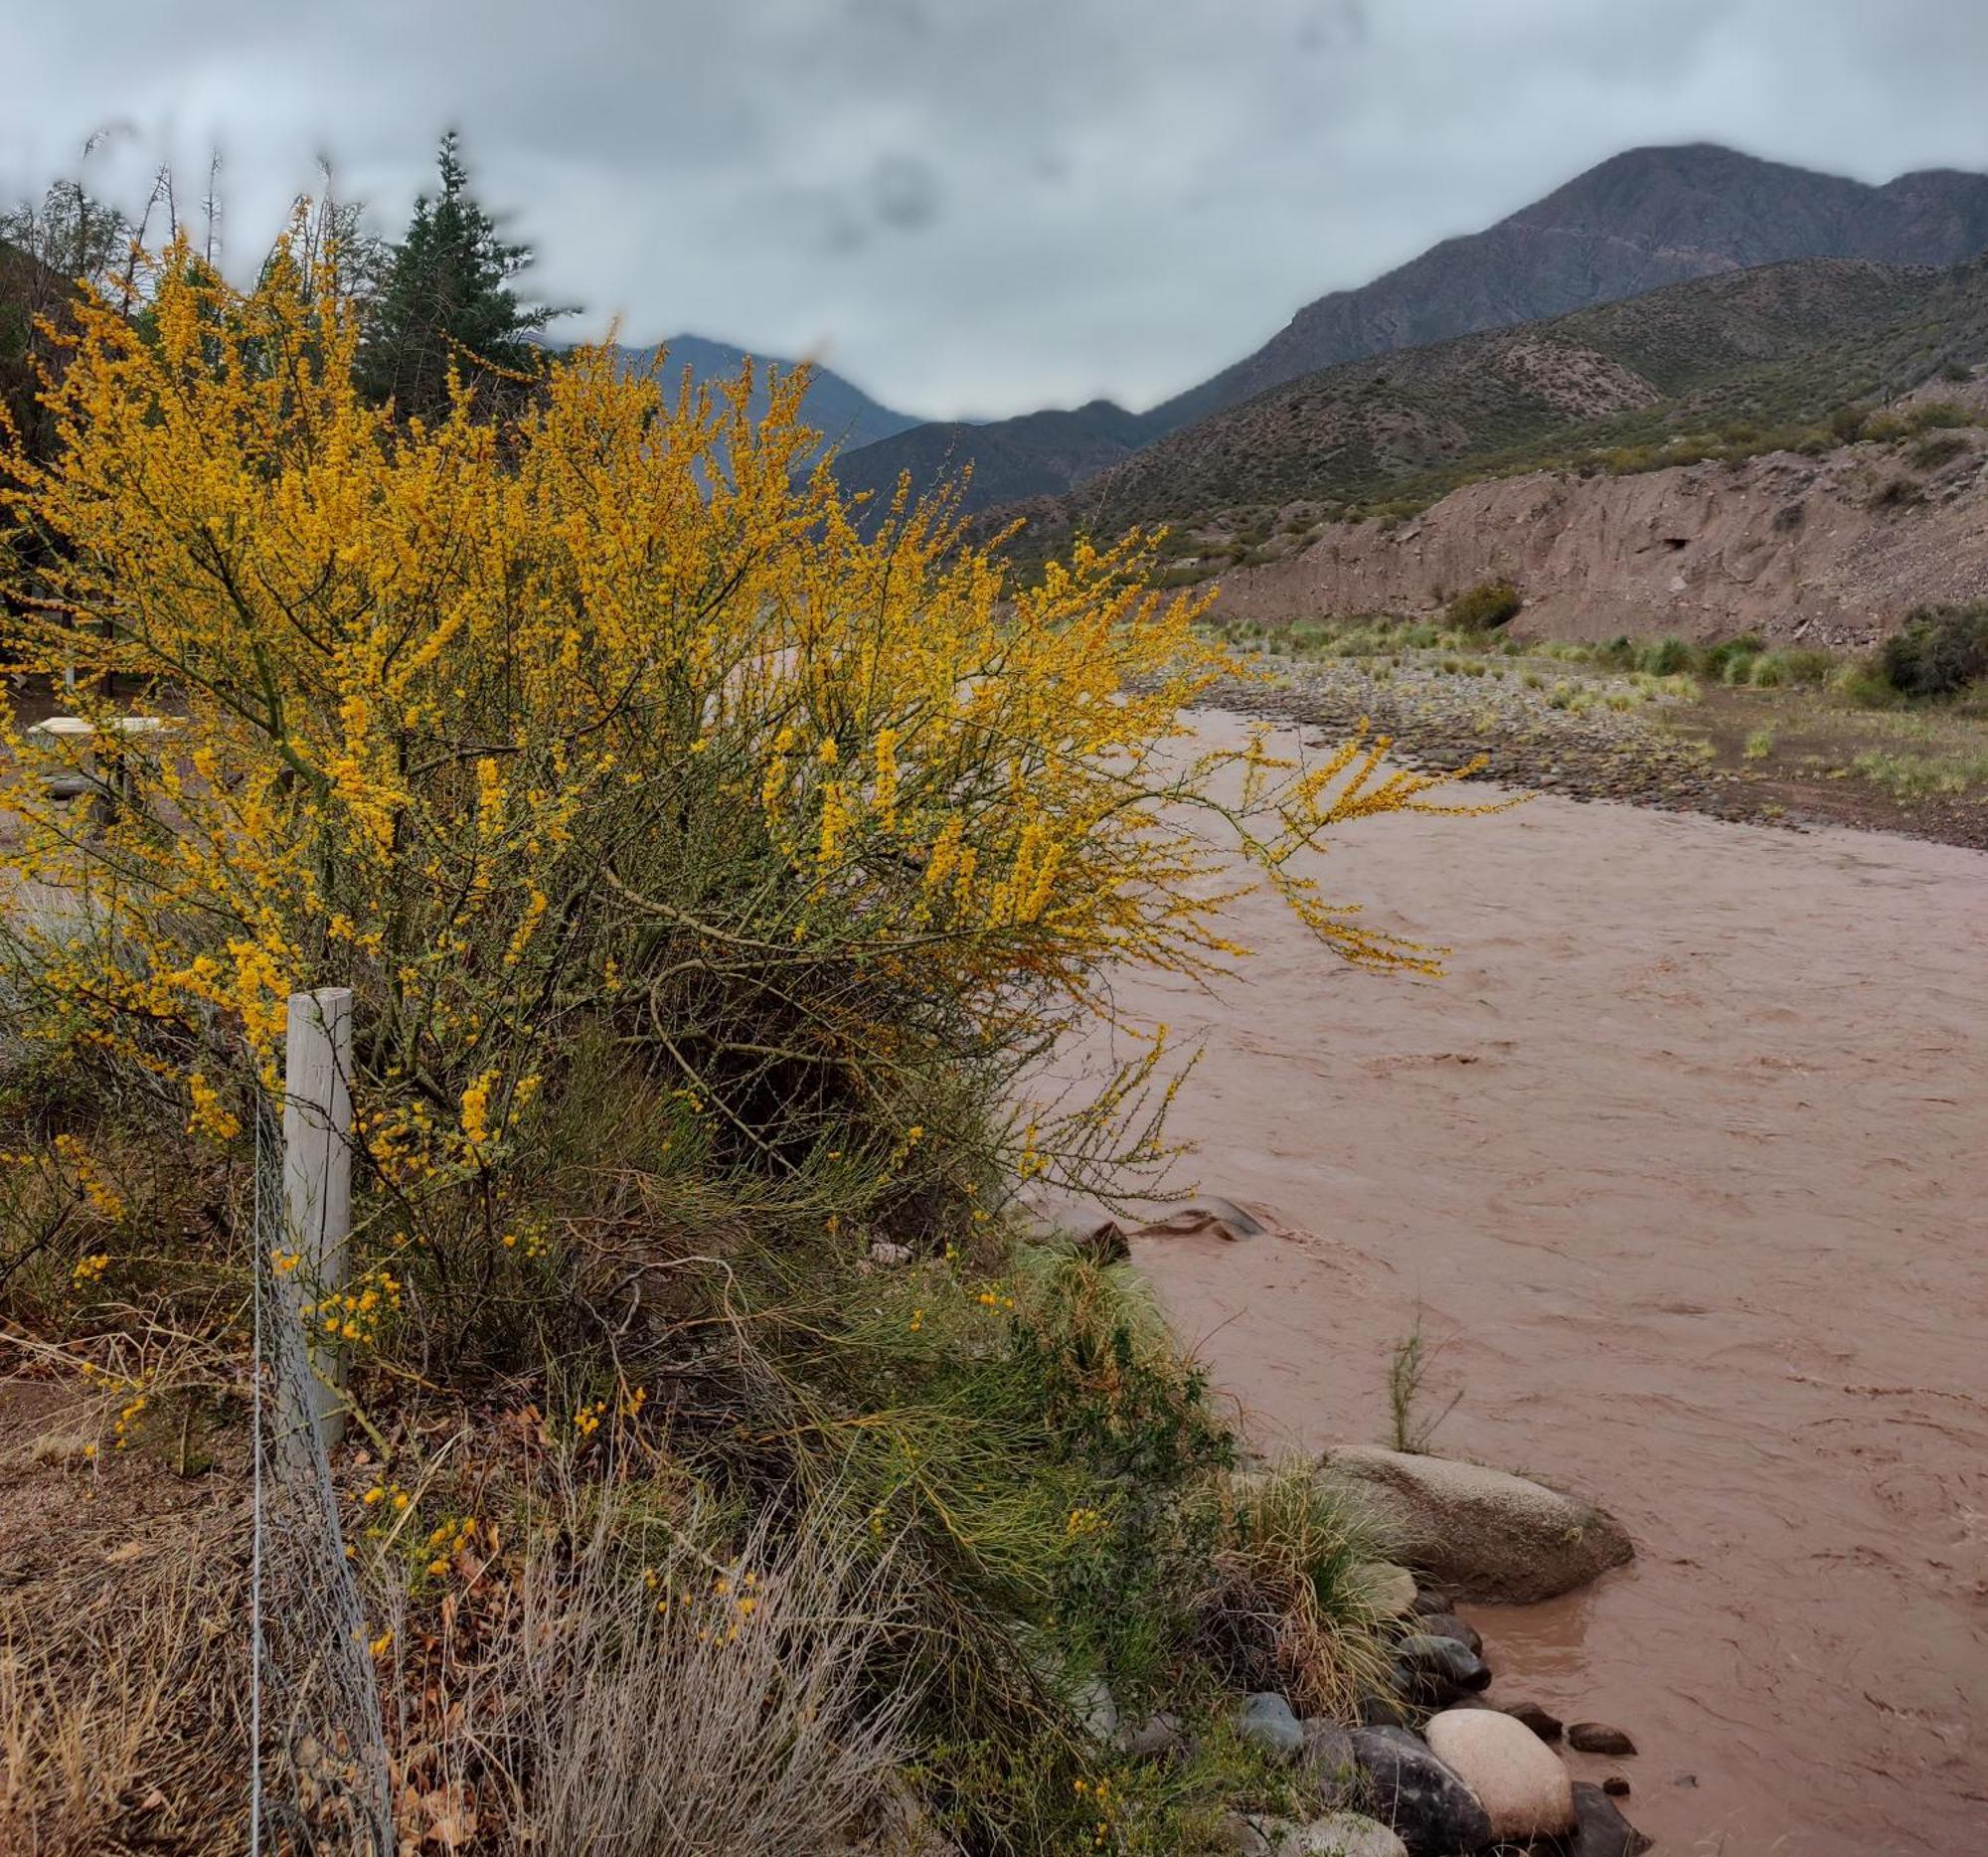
(319, 1768)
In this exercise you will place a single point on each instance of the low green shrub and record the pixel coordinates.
(1488, 604)
(1941, 449)
(1938, 416)
(1938, 650)
(1291, 1606)
(1715, 661)
(1863, 682)
(1776, 669)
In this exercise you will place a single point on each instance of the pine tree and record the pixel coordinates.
(447, 299)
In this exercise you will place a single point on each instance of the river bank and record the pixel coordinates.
(1679, 1167)
(1787, 757)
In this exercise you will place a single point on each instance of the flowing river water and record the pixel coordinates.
(1684, 1166)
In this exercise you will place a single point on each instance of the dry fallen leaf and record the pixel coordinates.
(451, 1816)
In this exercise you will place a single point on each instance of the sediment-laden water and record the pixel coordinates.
(1685, 1166)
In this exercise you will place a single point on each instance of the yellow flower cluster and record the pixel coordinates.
(127, 1417)
(1101, 1797)
(92, 1183)
(354, 1314)
(446, 1540)
(531, 1243)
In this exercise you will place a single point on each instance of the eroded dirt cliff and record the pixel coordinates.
(1829, 551)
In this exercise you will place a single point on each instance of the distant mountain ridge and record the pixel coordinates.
(1011, 459)
(1636, 223)
(841, 410)
(1639, 221)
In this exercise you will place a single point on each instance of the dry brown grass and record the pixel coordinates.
(123, 1653)
(629, 1691)
(624, 1673)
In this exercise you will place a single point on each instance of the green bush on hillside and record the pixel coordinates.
(1941, 449)
(1488, 604)
(1938, 650)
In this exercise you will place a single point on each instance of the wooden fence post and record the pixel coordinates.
(317, 1189)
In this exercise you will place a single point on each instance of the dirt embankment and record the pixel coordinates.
(1825, 551)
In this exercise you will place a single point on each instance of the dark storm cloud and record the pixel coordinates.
(973, 207)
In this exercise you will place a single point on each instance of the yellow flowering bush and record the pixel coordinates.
(614, 724)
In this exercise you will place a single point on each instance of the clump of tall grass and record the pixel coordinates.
(1291, 1606)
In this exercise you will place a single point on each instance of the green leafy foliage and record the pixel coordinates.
(1938, 650)
(1487, 604)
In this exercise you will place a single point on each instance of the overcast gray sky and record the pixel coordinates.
(974, 206)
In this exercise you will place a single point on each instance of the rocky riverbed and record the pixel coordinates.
(1440, 720)
(1781, 757)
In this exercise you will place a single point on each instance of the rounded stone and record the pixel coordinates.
(1343, 1834)
(1449, 1626)
(1543, 1721)
(1442, 1667)
(1237, 1834)
(1390, 1590)
(1519, 1781)
(1148, 1740)
(1599, 1738)
(1603, 1831)
(1327, 1764)
(1266, 1722)
(1486, 1533)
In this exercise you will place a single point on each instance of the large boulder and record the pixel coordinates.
(1486, 1533)
(1519, 1781)
(1431, 1810)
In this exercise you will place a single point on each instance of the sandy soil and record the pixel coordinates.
(1683, 1165)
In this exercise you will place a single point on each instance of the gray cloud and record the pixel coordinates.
(973, 207)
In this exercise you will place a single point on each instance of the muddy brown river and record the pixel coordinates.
(1684, 1165)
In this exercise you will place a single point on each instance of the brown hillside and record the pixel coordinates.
(1817, 550)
